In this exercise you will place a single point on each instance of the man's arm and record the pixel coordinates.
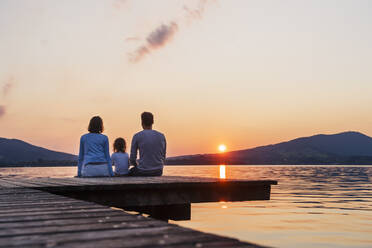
(165, 149)
(133, 151)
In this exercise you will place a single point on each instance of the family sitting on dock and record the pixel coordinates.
(94, 156)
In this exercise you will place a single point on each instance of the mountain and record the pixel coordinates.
(342, 148)
(13, 152)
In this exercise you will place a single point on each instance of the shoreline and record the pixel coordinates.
(205, 165)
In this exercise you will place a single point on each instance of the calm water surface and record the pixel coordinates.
(313, 206)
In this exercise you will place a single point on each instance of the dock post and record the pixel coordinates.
(164, 212)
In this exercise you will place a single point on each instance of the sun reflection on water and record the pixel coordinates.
(222, 171)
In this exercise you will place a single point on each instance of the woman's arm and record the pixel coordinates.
(81, 157)
(107, 155)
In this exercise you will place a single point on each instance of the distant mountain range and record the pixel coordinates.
(18, 152)
(342, 148)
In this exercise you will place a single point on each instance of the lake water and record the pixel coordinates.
(313, 206)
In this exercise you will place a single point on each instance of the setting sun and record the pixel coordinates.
(222, 148)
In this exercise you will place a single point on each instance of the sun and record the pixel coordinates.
(222, 148)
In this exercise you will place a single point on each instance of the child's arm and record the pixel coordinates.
(113, 156)
(113, 159)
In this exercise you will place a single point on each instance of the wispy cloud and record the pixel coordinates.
(133, 38)
(118, 4)
(5, 90)
(156, 39)
(164, 33)
(2, 111)
(7, 86)
(198, 12)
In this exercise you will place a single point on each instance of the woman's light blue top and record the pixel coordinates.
(94, 148)
(121, 162)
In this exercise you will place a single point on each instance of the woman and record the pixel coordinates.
(94, 156)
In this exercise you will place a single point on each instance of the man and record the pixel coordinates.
(152, 149)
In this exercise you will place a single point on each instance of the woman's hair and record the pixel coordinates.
(120, 145)
(95, 125)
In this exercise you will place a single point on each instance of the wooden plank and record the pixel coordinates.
(135, 182)
(46, 208)
(62, 181)
(73, 221)
(32, 196)
(144, 237)
(40, 201)
(30, 182)
(6, 184)
(42, 204)
(56, 212)
(80, 227)
(28, 194)
(72, 181)
(15, 191)
(173, 239)
(134, 237)
(61, 216)
(79, 236)
(12, 200)
(30, 202)
(13, 182)
(214, 244)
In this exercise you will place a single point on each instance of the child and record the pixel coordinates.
(120, 158)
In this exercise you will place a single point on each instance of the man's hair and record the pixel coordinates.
(147, 119)
(95, 125)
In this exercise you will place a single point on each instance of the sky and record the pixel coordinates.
(239, 72)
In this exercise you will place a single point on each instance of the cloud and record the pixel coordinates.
(2, 110)
(8, 86)
(133, 38)
(156, 39)
(163, 34)
(198, 12)
(119, 3)
(4, 91)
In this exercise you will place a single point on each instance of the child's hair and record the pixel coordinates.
(120, 145)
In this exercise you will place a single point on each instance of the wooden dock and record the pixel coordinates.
(76, 212)
(165, 197)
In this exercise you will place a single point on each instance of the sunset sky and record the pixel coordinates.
(239, 72)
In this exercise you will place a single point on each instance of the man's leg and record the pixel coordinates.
(132, 171)
(141, 173)
(152, 173)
